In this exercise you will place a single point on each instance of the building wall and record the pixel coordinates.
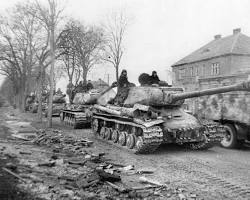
(240, 64)
(200, 69)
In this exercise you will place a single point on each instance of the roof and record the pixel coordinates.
(237, 44)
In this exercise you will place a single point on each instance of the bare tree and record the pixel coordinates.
(88, 42)
(50, 16)
(115, 30)
(82, 46)
(17, 35)
(69, 58)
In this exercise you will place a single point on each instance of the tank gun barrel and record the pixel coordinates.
(244, 86)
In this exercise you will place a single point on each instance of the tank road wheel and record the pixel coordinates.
(61, 116)
(65, 120)
(139, 143)
(130, 141)
(115, 136)
(122, 138)
(230, 139)
(108, 134)
(70, 121)
(102, 132)
(95, 125)
(74, 124)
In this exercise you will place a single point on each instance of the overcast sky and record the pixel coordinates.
(161, 31)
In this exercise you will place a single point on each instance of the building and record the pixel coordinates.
(223, 61)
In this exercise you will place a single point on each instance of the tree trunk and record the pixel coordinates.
(22, 95)
(117, 72)
(70, 92)
(84, 76)
(52, 49)
(40, 88)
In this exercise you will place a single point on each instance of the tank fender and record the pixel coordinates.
(241, 131)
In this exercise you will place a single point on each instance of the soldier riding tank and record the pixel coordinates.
(151, 116)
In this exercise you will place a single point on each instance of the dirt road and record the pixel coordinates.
(214, 174)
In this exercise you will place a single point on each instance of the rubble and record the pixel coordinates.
(61, 141)
(47, 164)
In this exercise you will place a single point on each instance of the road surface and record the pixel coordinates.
(217, 173)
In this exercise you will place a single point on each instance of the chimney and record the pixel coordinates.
(236, 31)
(216, 37)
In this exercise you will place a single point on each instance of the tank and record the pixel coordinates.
(78, 114)
(58, 103)
(151, 116)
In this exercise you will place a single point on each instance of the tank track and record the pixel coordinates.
(147, 148)
(213, 134)
(74, 119)
(146, 142)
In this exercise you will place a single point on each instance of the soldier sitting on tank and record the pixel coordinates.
(122, 89)
(89, 85)
(154, 79)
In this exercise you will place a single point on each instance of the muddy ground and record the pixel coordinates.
(214, 174)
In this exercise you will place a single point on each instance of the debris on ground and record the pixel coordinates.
(143, 179)
(14, 174)
(55, 165)
(61, 141)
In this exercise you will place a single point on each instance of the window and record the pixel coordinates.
(196, 70)
(191, 71)
(203, 70)
(215, 70)
(182, 73)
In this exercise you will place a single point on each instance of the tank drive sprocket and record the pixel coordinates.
(213, 134)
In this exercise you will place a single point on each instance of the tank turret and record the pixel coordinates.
(97, 98)
(159, 96)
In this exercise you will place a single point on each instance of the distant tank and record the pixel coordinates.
(151, 116)
(78, 114)
(58, 103)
